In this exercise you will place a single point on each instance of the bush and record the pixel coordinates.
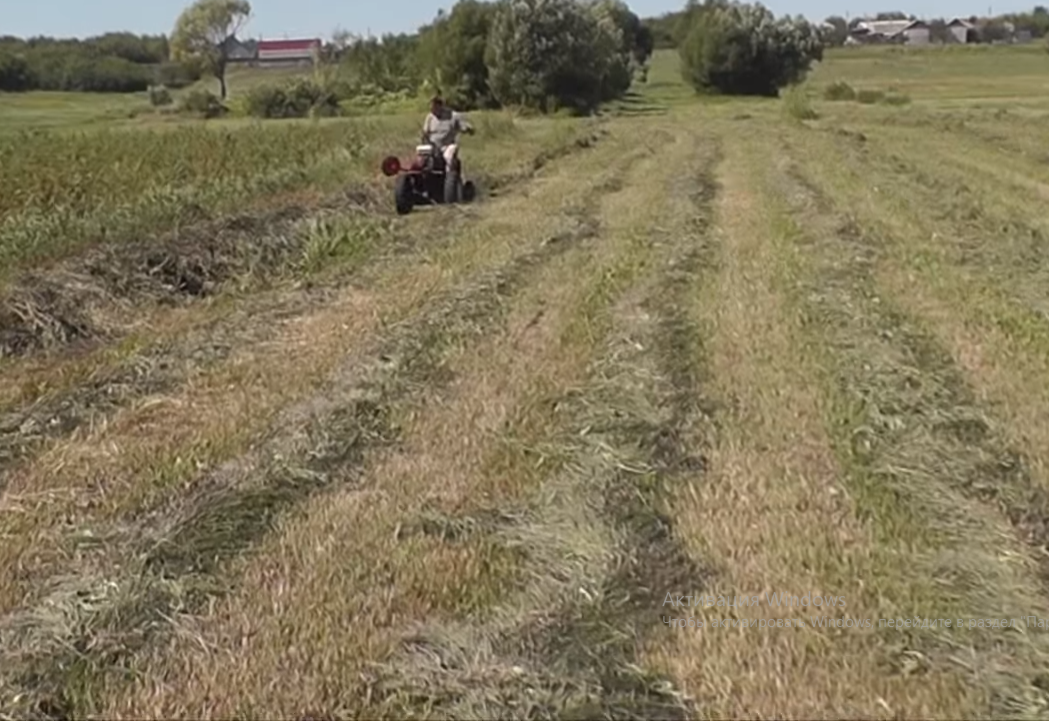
(451, 55)
(551, 54)
(203, 103)
(298, 98)
(796, 104)
(177, 75)
(159, 96)
(839, 90)
(742, 49)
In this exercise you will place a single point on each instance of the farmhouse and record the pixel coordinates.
(288, 52)
(913, 32)
(961, 29)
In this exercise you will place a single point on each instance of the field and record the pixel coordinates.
(268, 450)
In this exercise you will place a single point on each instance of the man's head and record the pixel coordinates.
(436, 104)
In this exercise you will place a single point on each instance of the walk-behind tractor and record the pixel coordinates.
(427, 180)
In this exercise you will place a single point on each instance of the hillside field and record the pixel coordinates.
(268, 450)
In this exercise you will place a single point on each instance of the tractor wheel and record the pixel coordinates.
(453, 187)
(469, 191)
(404, 194)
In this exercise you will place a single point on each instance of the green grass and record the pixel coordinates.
(948, 74)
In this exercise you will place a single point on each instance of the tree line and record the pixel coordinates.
(115, 62)
(546, 55)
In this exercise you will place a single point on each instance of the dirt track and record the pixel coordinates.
(459, 474)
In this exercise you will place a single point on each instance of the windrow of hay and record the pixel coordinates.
(98, 293)
(181, 547)
(600, 552)
(927, 470)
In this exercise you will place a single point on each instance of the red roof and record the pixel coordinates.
(276, 45)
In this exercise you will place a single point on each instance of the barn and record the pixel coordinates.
(288, 52)
(960, 29)
(912, 32)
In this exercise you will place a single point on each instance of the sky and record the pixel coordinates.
(274, 19)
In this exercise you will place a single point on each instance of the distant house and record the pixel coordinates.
(912, 32)
(238, 51)
(961, 29)
(288, 52)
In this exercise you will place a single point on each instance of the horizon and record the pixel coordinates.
(273, 20)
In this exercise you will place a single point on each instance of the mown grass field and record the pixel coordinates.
(268, 450)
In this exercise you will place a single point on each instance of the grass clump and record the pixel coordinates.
(869, 97)
(796, 105)
(839, 90)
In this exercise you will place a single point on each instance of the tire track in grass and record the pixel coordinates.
(181, 567)
(769, 515)
(600, 551)
(926, 471)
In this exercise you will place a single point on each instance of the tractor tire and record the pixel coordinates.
(404, 195)
(453, 187)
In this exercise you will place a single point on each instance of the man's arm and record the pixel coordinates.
(463, 124)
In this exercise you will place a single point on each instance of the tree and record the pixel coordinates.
(452, 51)
(742, 49)
(204, 31)
(549, 54)
(839, 34)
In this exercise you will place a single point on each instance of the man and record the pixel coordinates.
(442, 127)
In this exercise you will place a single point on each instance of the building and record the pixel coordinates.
(912, 32)
(961, 29)
(240, 51)
(288, 52)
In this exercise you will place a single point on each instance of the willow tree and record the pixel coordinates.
(204, 33)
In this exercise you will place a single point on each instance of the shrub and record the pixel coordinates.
(177, 75)
(159, 96)
(839, 90)
(742, 49)
(451, 55)
(548, 55)
(203, 103)
(796, 104)
(298, 98)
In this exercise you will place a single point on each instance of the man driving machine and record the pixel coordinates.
(441, 129)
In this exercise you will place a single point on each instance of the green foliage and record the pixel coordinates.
(665, 31)
(202, 103)
(178, 75)
(114, 62)
(553, 54)
(390, 64)
(298, 98)
(202, 32)
(451, 54)
(797, 106)
(742, 49)
(159, 96)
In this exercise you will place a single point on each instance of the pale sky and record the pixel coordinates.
(319, 18)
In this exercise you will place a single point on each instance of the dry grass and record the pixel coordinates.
(451, 465)
(434, 513)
